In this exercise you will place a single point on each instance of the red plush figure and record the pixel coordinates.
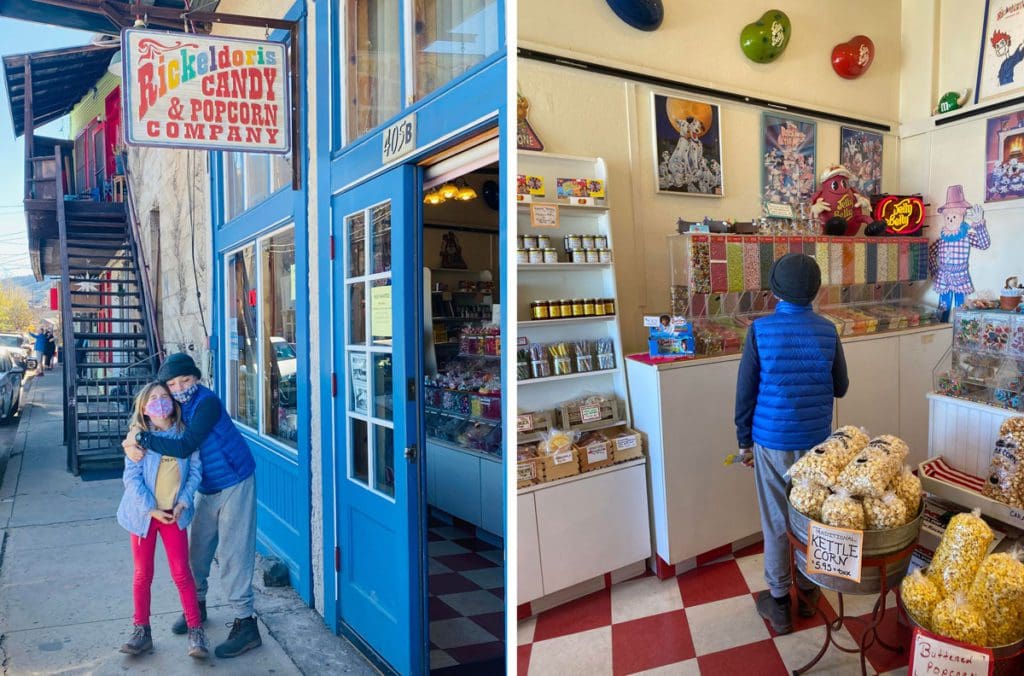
(835, 197)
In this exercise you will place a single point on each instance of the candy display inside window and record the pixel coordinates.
(986, 362)
(463, 404)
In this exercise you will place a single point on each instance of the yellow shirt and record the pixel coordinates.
(168, 482)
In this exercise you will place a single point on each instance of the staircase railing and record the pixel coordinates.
(67, 325)
(153, 341)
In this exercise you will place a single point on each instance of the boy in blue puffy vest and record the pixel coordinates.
(791, 370)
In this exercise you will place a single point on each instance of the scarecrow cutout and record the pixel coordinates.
(963, 227)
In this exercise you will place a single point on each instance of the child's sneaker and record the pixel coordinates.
(777, 614)
(140, 642)
(197, 645)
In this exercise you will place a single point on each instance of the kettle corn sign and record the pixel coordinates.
(205, 92)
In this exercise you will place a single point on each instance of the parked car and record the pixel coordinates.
(10, 387)
(14, 345)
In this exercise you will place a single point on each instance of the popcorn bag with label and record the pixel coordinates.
(821, 465)
(842, 510)
(807, 497)
(960, 553)
(870, 472)
(1006, 470)
(956, 618)
(557, 456)
(885, 513)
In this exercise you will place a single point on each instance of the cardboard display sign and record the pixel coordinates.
(931, 654)
(205, 92)
(838, 552)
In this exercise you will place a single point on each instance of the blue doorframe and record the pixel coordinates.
(455, 112)
(283, 473)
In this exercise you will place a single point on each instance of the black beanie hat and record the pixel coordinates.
(177, 364)
(795, 278)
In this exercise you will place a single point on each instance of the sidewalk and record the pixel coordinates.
(65, 577)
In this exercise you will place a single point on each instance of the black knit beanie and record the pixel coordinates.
(177, 364)
(795, 278)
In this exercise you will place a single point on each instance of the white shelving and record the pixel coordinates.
(536, 323)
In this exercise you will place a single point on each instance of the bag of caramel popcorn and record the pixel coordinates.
(870, 472)
(884, 513)
(907, 488)
(842, 510)
(807, 497)
(920, 596)
(956, 618)
(1006, 469)
(960, 553)
(998, 592)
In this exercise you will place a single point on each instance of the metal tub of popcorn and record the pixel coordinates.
(893, 547)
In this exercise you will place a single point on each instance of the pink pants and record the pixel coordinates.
(176, 546)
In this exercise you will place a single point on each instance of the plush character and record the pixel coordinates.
(835, 197)
(963, 227)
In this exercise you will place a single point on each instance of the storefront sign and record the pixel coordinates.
(934, 655)
(902, 215)
(399, 139)
(205, 92)
(380, 311)
(544, 215)
(838, 552)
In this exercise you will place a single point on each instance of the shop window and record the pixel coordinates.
(249, 178)
(241, 324)
(451, 36)
(280, 401)
(373, 72)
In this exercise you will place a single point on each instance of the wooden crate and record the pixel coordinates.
(596, 454)
(531, 426)
(572, 416)
(628, 444)
(559, 465)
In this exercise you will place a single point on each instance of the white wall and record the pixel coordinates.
(585, 114)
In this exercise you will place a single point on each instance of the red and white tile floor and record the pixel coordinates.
(701, 622)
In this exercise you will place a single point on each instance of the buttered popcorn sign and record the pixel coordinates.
(205, 92)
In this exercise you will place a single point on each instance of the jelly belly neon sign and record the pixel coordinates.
(205, 92)
(902, 215)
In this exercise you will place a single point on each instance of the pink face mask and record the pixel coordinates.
(159, 408)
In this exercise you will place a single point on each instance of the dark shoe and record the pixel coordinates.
(808, 608)
(197, 645)
(245, 635)
(777, 614)
(140, 642)
(180, 626)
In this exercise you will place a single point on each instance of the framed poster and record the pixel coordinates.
(1002, 51)
(1004, 157)
(788, 154)
(687, 146)
(861, 153)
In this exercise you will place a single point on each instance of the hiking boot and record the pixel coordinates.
(245, 635)
(777, 614)
(180, 626)
(197, 645)
(140, 641)
(808, 608)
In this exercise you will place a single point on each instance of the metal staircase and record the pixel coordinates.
(109, 328)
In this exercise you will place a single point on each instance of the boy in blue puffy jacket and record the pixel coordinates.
(791, 370)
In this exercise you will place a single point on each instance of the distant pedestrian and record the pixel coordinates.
(159, 500)
(50, 349)
(225, 522)
(39, 349)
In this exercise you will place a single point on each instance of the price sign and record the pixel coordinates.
(524, 423)
(838, 552)
(544, 215)
(931, 654)
(623, 443)
(562, 458)
(589, 414)
(527, 471)
(597, 452)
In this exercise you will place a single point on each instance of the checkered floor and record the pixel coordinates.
(702, 622)
(467, 597)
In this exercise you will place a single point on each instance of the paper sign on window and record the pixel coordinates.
(380, 311)
(838, 552)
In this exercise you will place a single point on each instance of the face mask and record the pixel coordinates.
(159, 408)
(185, 395)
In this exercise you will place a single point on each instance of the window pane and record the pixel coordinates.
(280, 405)
(234, 185)
(355, 225)
(451, 37)
(257, 179)
(384, 460)
(381, 311)
(357, 382)
(380, 217)
(242, 368)
(382, 389)
(281, 171)
(357, 314)
(360, 461)
(373, 87)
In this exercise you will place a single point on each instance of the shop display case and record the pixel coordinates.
(986, 361)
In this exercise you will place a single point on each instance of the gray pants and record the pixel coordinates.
(770, 468)
(225, 524)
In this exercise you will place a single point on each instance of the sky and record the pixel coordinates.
(19, 37)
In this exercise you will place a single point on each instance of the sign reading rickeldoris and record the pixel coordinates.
(206, 92)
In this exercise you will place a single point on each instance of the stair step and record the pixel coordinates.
(87, 223)
(100, 415)
(110, 336)
(113, 258)
(92, 268)
(111, 320)
(75, 279)
(104, 293)
(81, 244)
(99, 436)
(103, 398)
(94, 366)
(89, 208)
(113, 381)
(89, 306)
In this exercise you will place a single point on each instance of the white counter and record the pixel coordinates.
(685, 410)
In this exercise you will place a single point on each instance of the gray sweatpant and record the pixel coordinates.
(770, 468)
(225, 523)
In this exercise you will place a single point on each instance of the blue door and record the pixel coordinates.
(378, 348)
